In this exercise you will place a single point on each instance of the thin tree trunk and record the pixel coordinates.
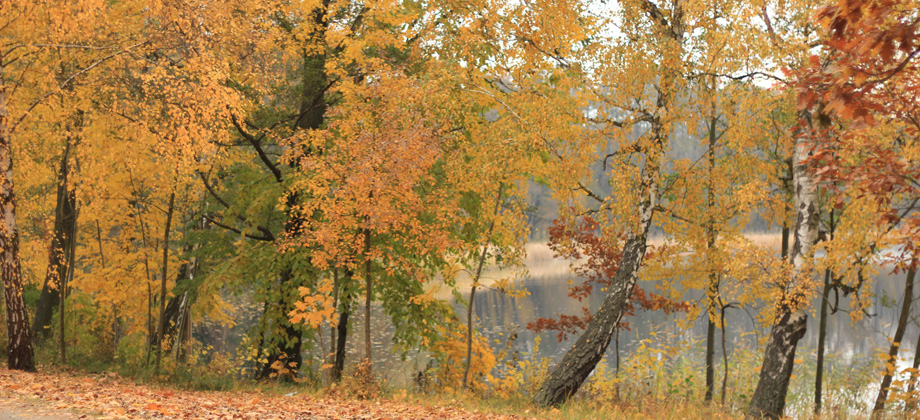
(713, 289)
(114, 307)
(367, 298)
(822, 338)
(788, 180)
(183, 329)
(338, 365)
(616, 350)
(329, 358)
(822, 325)
(163, 272)
(769, 399)
(710, 356)
(62, 240)
(912, 403)
(63, 298)
(68, 280)
(724, 357)
(21, 354)
(144, 243)
(784, 248)
(470, 319)
(891, 362)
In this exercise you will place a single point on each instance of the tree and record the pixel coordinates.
(63, 243)
(22, 90)
(869, 84)
(769, 397)
(652, 88)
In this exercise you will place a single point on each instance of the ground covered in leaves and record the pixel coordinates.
(109, 396)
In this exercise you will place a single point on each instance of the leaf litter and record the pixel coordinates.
(109, 396)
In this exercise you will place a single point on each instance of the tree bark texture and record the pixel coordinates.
(338, 365)
(710, 357)
(580, 361)
(62, 242)
(713, 289)
(174, 314)
(822, 338)
(822, 323)
(163, 272)
(903, 320)
(21, 355)
(369, 294)
(769, 399)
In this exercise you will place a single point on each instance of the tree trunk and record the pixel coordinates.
(183, 327)
(369, 293)
(711, 234)
(21, 355)
(114, 308)
(173, 316)
(822, 324)
(903, 319)
(912, 403)
(724, 357)
(710, 357)
(62, 241)
(769, 399)
(290, 343)
(578, 362)
(163, 272)
(151, 334)
(338, 366)
(822, 338)
(470, 318)
(312, 113)
(784, 247)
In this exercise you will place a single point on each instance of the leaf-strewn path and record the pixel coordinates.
(112, 397)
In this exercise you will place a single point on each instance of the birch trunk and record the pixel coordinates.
(769, 399)
(580, 361)
(21, 355)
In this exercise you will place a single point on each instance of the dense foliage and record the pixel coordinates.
(257, 189)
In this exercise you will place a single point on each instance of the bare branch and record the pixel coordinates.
(257, 145)
(589, 192)
(235, 230)
(265, 231)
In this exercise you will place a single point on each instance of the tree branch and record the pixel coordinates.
(235, 230)
(589, 192)
(70, 80)
(265, 231)
(257, 145)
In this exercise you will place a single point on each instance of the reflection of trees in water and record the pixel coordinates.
(500, 314)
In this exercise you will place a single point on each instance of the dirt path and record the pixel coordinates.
(14, 409)
(66, 396)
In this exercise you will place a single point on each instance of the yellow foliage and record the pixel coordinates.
(450, 353)
(315, 309)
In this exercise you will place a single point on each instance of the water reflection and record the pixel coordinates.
(499, 314)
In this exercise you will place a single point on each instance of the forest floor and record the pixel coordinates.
(64, 395)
